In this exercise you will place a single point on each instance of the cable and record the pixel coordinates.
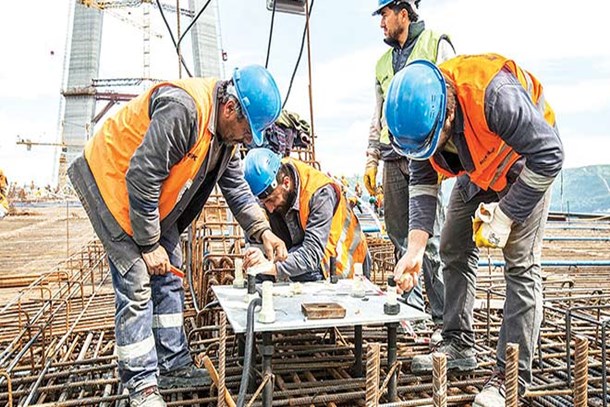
(270, 34)
(194, 21)
(296, 67)
(171, 34)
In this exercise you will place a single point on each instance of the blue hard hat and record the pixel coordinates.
(259, 98)
(260, 170)
(415, 109)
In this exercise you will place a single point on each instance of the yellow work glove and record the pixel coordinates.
(490, 226)
(370, 173)
(3, 206)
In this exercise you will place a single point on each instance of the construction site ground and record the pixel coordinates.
(57, 328)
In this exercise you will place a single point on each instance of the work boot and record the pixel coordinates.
(188, 376)
(149, 397)
(493, 393)
(458, 358)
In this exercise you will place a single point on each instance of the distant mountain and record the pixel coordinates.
(583, 189)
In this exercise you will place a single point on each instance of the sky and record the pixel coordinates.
(563, 43)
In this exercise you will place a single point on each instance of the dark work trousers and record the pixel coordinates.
(523, 304)
(396, 206)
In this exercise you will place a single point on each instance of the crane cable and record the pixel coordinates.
(171, 34)
(270, 34)
(296, 66)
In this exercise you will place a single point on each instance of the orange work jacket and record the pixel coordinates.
(492, 157)
(108, 153)
(346, 241)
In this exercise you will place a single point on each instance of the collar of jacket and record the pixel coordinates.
(415, 29)
(214, 112)
(295, 206)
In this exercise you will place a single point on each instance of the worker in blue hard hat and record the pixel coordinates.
(485, 120)
(308, 211)
(143, 178)
(408, 40)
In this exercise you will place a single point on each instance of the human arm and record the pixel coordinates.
(310, 252)
(372, 151)
(247, 211)
(513, 116)
(170, 135)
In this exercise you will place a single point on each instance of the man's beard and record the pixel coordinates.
(288, 197)
(394, 34)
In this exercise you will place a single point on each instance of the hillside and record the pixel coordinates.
(583, 189)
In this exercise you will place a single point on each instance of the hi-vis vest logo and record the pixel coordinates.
(185, 188)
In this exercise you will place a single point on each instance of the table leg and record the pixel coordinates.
(267, 352)
(357, 370)
(392, 391)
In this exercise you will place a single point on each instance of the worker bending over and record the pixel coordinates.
(307, 210)
(143, 178)
(485, 120)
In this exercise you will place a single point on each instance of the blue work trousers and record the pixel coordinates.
(149, 330)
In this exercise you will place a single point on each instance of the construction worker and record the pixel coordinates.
(143, 178)
(408, 40)
(4, 208)
(309, 213)
(484, 119)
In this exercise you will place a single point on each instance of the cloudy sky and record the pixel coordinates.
(562, 42)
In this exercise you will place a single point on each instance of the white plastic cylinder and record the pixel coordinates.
(267, 314)
(358, 289)
(238, 279)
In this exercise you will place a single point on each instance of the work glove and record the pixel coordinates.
(490, 226)
(370, 174)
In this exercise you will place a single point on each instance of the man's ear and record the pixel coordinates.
(286, 182)
(229, 108)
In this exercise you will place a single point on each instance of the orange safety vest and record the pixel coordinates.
(108, 153)
(346, 241)
(492, 157)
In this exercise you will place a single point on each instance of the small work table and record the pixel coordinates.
(289, 317)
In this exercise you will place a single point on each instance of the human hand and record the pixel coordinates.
(253, 256)
(406, 271)
(274, 247)
(157, 261)
(370, 178)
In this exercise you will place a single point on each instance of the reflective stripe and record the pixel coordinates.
(536, 181)
(135, 350)
(506, 161)
(417, 190)
(167, 320)
(340, 244)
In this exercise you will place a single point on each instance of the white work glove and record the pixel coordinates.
(3, 212)
(490, 226)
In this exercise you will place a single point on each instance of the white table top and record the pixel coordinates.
(367, 311)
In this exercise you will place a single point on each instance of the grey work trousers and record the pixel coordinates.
(396, 208)
(523, 304)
